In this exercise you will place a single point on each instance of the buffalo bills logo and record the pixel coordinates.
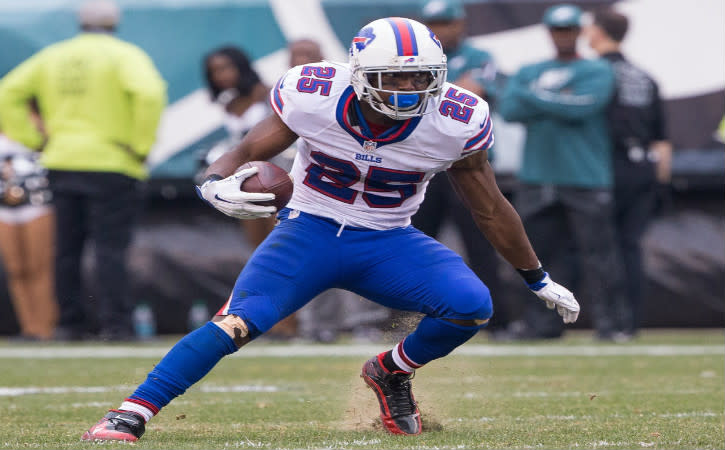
(363, 38)
(435, 39)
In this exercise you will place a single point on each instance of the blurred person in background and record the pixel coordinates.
(642, 157)
(27, 239)
(100, 99)
(473, 69)
(235, 86)
(304, 51)
(565, 195)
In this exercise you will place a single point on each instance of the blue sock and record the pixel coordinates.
(185, 364)
(435, 338)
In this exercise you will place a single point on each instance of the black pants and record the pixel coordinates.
(635, 206)
(441, 203)
(102, 209)
(572, 232)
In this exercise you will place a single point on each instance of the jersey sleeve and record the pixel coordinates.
(479, 130)
(303, 93)
(275, 96)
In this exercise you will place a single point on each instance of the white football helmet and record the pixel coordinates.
(391, 45)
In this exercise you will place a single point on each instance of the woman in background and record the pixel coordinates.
(234, 85)
(27, 240)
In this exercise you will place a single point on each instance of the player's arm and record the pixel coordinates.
(265, 140)
(221, 186)
(474, 181)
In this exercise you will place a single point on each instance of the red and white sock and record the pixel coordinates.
(401, 360)
(145, 409)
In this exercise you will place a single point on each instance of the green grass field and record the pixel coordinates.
(664, 390)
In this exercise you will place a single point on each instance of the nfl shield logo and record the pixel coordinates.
(370, 146)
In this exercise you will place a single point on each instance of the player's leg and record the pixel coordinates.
(297, 262)
(405, 269)
(185, 364)
(284, 273)
(256, 231)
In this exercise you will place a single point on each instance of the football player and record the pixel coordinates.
(372, 134)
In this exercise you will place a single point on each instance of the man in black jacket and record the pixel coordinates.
(642, 155)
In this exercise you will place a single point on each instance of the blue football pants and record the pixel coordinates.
(401, 268)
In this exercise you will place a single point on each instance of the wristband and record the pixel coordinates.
(212, 177)
(532, 276)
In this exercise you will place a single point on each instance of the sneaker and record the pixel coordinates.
(398, 409)
(117, 426)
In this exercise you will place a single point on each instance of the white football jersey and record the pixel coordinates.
(344, 173)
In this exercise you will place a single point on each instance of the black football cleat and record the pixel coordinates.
(398, 409)
(117, 426)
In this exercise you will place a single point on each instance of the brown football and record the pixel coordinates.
(270, 178)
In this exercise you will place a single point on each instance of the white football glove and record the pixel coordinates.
(226, 196)
(557, 296)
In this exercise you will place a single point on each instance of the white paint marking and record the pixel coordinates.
(31, 390)
(238, 388)
(6, 391)
(309, 351)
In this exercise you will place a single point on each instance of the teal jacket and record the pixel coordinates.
(562, 104)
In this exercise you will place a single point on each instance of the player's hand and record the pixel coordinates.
(557, 296)
(226, 196)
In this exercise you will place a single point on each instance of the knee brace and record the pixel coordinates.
(234, 326)
(470, 313)
(478, 323)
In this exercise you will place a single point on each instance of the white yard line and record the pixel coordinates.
(305, 350)
(7, 391)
